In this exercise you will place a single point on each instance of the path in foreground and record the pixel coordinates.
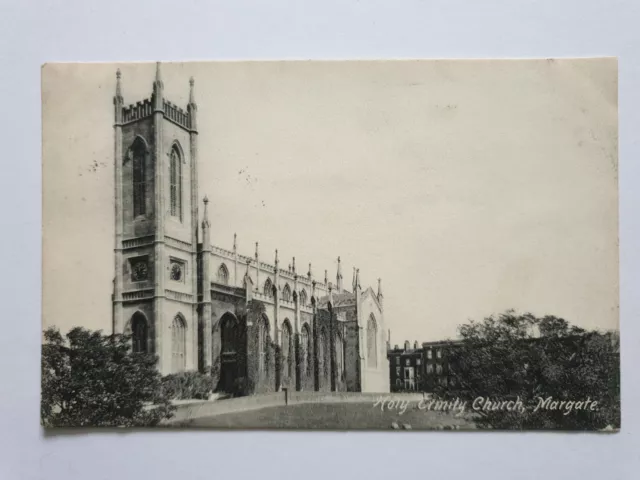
(333, 416)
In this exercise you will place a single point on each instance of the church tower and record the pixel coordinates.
(156, 226)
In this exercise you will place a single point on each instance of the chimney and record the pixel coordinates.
(415, 345)
(407, 345)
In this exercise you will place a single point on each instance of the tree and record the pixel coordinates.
(91, 379)
(542, 362)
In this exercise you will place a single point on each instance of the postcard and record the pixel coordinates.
(386, 245)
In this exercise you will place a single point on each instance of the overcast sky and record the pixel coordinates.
(469, 187)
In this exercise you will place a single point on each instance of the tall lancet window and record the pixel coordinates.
(175, 183)
(263, 344)
(303, 298)
(286, 293)
(287, 350)
(223, 275)
(307, 350)
(339, 355)
(372, 342)
(139, 333)
(139, 153)
(178, 344)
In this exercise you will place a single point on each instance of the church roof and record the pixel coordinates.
(339, 300)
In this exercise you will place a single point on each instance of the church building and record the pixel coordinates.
(252, 325)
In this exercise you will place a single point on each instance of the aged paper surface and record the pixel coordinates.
(353, 244)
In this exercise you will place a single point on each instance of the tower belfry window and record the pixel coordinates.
(138, 152)
(175, 183)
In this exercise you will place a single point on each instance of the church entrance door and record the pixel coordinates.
(229, 354)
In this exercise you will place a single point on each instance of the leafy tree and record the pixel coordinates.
(91, 379)
(514, 356)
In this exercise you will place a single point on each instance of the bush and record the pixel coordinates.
(522, 357)
(91, 379)
(187, 386)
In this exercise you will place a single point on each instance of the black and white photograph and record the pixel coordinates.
(331, 245)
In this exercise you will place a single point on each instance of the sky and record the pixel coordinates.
(468, 187)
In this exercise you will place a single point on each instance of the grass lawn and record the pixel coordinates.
(332, 416)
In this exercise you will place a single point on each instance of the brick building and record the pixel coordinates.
(437, 367)
(203, 307)
(420, 368)
(406, 368)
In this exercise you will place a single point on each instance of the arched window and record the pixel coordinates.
(175, 183)
(139, 333)
(178, 344)
(339, 355)
(268, 288)
(320, 355)
(263, 343)
(307, 349)
(286, 293)
(323, 355)
(287, 357)
(139, 153)
(303, 298)
(223, 275)
(372, 342)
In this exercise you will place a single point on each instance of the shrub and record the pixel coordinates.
(512, 356)
(187, 386)
(91, 379)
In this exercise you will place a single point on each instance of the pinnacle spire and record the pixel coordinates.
(158, 88)
(118, 101)
(235, 242)
(293, 265)
(357, 283)
(257, 254)
(205, 216)
(158, 76)
(380, 288)
(339, 277)
(192, 100)
(277, 261)
(309, 272)
(118, 85)
(353, 282)
(192, 108)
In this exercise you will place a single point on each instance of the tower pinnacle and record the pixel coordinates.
(158, 88)
(191, 95)
(118, 101)
(192, 108)
(118, 85)
(158, 76)
(205, 216)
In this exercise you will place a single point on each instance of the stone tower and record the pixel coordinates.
(156, 226)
